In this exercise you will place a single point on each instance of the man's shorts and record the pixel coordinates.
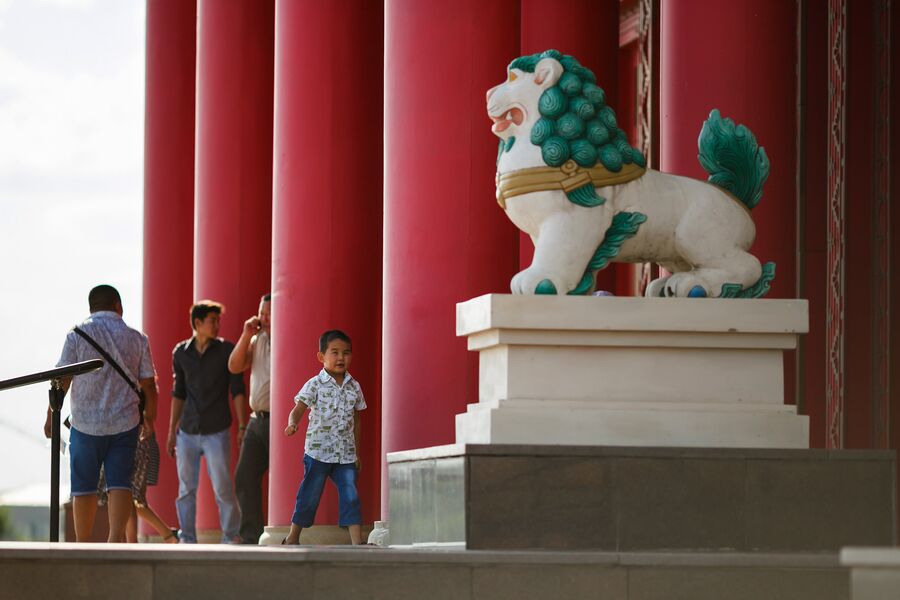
(114, 452)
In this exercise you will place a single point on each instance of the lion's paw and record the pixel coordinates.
(656, 288)
(531, 281)
(686, 285)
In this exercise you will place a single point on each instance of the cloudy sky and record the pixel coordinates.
(71, 154)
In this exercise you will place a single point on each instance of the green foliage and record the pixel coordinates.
(7, 531)
(574, 115)
(733, 159)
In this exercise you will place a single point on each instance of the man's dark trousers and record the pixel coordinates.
(252, 465)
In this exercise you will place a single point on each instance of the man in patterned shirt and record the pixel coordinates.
(105, 413)
(332, 438)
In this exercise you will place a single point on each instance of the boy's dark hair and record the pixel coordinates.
(103, 297)
(202, 308)
(331, 335)
(267, 298)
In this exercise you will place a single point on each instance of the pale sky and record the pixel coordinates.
(71, 181)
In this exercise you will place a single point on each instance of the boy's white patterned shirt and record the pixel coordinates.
(329, 437)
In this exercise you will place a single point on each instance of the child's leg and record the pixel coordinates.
(355, 534)
(344, 477)
(314, 475)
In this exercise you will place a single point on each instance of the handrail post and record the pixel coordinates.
(57, 394)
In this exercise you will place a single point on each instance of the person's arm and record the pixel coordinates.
(356, 437)
(174, 420)
(179, 393)
(242, 355)
(66, 382)
(294, 418)
(68, 356)
(240, 415)
(151, 400)
(239, 398)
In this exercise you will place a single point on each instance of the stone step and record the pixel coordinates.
(157, 572)
(493, 497)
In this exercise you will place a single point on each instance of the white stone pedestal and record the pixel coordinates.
(631, 371)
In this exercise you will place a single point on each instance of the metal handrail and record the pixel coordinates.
(58, 373)
(57, 394)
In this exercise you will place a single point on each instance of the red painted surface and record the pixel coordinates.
(445, 239)
(589, 31)
(894, 417)
(168, 210)
(627, 275)
(232, 244)
(327, 225)
(858, 219)
(815, 152)
(740, 60)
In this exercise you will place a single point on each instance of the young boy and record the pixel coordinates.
(334, 399)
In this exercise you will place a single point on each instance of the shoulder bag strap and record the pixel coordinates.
(111, 361)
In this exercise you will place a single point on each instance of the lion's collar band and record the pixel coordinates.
(566, 178)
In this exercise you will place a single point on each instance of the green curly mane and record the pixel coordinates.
(577, 124)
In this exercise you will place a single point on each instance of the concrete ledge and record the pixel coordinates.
(875, 572)
(817, 454)
(641, 499)
(508, 311)
(156, 572)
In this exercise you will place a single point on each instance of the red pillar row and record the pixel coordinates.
(445, 239)
(168, 209)
(814, 226)
(232, 244)
(589, 31)
(327, 224)
(744, 65)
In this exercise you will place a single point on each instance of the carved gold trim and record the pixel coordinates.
(565, 178)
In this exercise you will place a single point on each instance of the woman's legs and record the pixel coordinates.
(146, 512)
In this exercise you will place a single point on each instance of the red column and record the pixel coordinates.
(814, 226)
(327, 224)
(168, 209)
(445, 239)
(589, 31)
(739, 57)
(232, 247)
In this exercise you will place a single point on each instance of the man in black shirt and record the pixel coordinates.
(201, 419)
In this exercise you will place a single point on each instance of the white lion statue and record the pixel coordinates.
(567, 176)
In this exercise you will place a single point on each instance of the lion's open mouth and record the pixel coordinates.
(510, 117)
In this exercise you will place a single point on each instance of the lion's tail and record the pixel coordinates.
(733, 159)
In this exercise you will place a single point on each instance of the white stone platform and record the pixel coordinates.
(631, 371)
(874, 572)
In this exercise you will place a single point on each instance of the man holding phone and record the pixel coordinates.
(252, 351)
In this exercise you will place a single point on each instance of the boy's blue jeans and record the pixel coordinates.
(314, 475)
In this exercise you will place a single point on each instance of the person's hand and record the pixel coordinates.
(251, 325)
(290, 430)
(170, 444)
(146, 430)
(358, 464)
(47, 426)
(242, 431)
